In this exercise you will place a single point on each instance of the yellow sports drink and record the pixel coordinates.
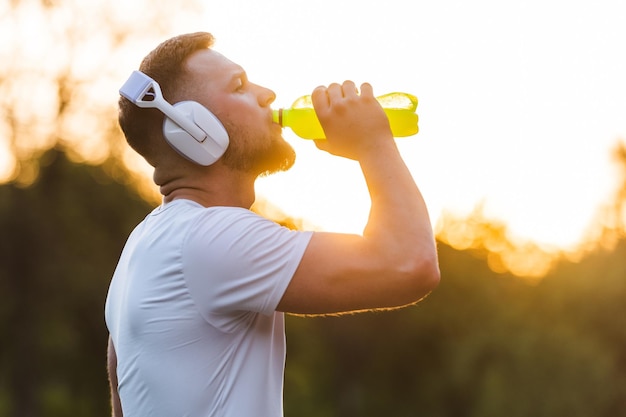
(399, 108)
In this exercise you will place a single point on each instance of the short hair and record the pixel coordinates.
(165, 64)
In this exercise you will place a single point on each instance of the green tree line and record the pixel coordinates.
(482, 344)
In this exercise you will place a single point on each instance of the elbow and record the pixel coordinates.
(432, 272)
(423, 275)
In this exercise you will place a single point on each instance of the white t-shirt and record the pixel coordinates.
(191, 311)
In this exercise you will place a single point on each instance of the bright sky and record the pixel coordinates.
(520, 102)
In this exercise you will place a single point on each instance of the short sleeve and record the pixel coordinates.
(236, 262)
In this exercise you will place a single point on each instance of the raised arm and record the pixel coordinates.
(394, 262)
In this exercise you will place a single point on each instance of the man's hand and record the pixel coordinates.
(354, 124)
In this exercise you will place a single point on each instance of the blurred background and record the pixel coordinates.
(521, 157)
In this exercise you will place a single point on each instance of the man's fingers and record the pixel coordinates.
(349, 89)
(335, 92)
(324, 96)
(319, 98)
(367, 90)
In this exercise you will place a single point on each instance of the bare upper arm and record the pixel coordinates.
(340, 273)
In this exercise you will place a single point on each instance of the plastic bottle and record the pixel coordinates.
(301, 118)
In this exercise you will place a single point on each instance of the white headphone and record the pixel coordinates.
(190, 128)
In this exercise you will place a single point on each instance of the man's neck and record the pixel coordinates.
(224, 188)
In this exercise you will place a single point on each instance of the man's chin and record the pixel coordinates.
(281, 158)
(275, 155)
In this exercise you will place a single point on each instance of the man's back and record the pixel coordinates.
(191, 312)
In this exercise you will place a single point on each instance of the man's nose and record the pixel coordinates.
(266, 96)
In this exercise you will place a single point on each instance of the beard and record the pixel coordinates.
(255, 154)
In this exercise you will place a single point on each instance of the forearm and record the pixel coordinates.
(399, 225)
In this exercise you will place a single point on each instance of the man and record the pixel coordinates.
(195, 308)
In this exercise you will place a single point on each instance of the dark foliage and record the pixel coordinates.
(483, 344)
(60, 241)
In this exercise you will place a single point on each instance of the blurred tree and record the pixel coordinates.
(490, 239)
(613, 218)
(62, 64)
(61, 240)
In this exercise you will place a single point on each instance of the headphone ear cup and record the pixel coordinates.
(203, 153)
